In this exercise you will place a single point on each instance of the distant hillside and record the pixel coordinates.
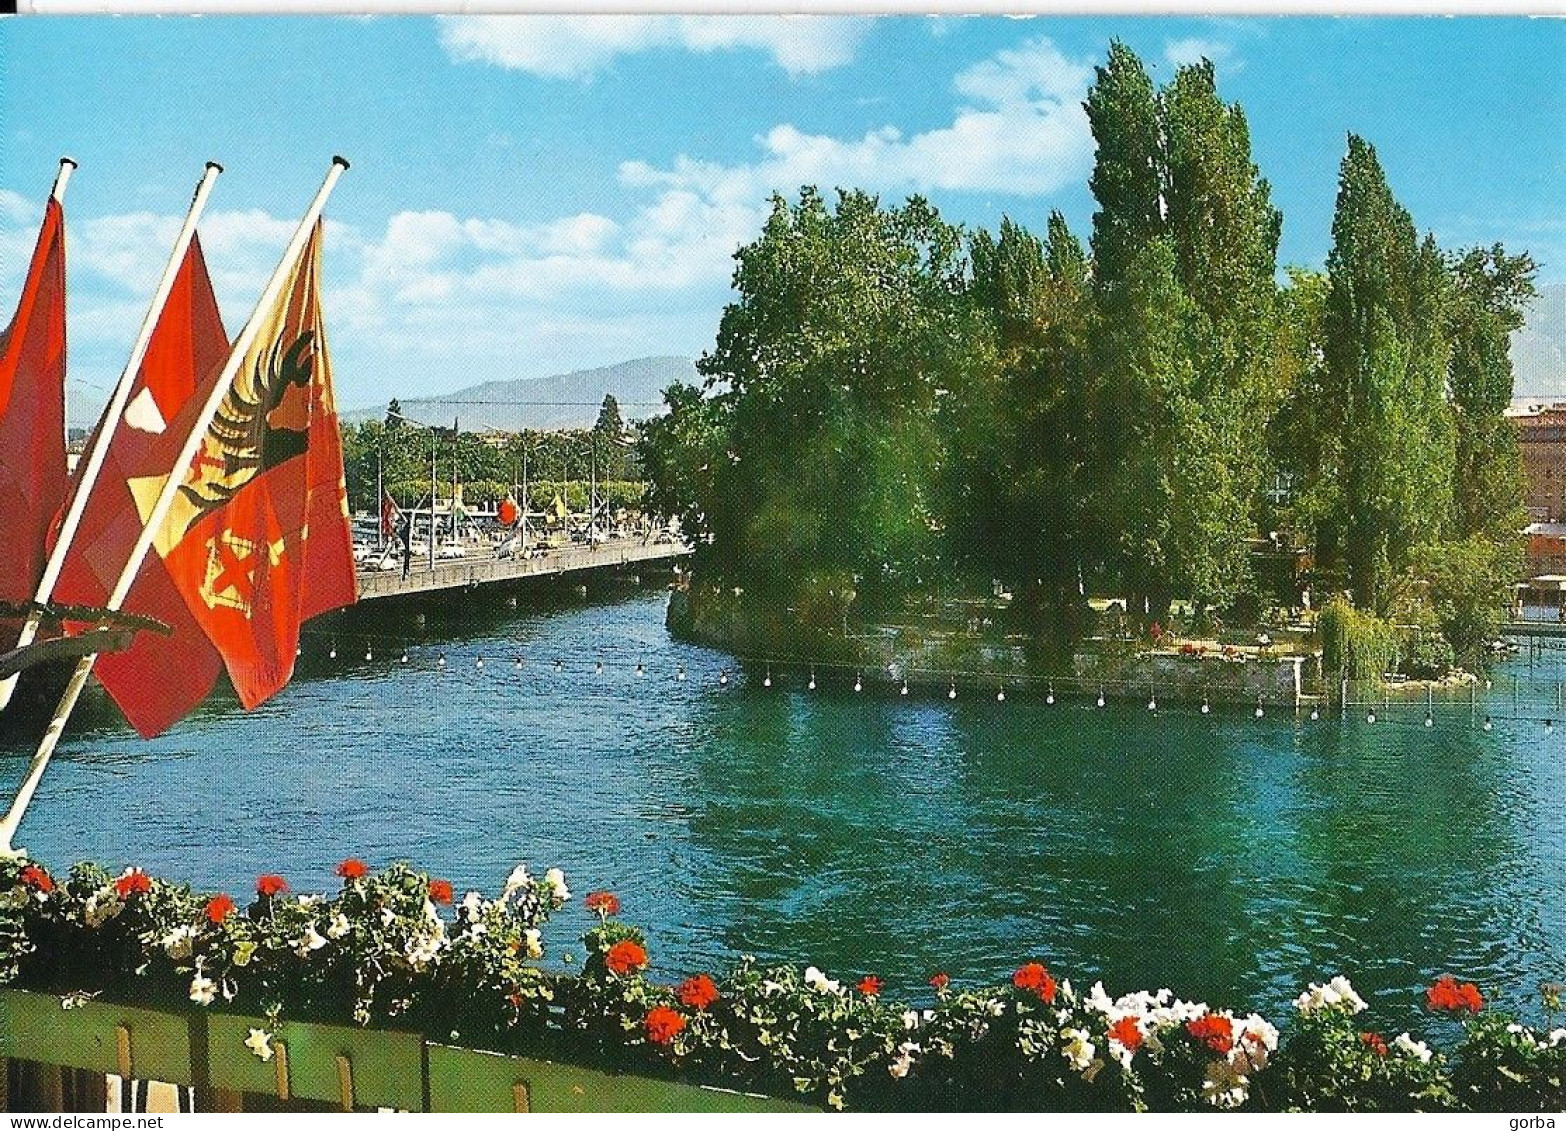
(569, 400)
(1539, 348)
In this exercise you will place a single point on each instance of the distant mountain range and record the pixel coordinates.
(568, 400)
(1539, 348)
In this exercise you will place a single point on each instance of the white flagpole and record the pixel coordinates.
(111, 414)
(67, 167)
(160, 510)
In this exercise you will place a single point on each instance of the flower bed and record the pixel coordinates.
(394, 950)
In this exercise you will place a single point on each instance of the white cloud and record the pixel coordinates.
(1186, 52)
(1022, 130)
(577, 47)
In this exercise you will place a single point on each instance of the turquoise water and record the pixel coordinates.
(1227, 857)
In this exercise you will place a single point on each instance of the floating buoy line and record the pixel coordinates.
(901, 682)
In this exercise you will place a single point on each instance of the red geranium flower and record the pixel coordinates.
(132, 882)
(663, 1024)
(1215, 1031)
(1375, 1042)
(352, 869)
(870, 985)
(1447, 994)
(218, 908)
(271, 885)
(625, 956)
(1036, 978)
(698, 992)
(606, 903)
(36, 878)
(940, 982)
(1126, 1032)
(440, 891)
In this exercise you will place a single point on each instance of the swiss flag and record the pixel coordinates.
(33, 479)
(258, 540)
(160, 679)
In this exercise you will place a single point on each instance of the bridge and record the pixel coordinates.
(466, 573)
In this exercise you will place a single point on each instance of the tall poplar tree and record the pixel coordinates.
(1385, 375)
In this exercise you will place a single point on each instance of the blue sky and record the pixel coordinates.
(535, 194)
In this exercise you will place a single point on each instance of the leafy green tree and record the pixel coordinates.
(609, 422)
(1491, 291)
(1385, 354)
(847, 330)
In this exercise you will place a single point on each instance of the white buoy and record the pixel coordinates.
(723, 677)
(368, 655)
(332, 655)
(858, 684)
(1205, 707)
(952, 692)
(1429, 721)
(640, 670)
(404, 659)
(1152, 704)
(1370, 716)
(1259, 711)
(598, 667)
(905, 688)
(1488, 725)
(768, 681)
(1000, 695)
(1314, 714)
(1101, 698)
(442, 661)
(479, 663)
(559, 666)
(518, 663)
(680, 675)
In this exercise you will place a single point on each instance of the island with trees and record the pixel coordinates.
(1029, 447)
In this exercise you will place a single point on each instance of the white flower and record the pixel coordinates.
(202, 989)
(1556, 1037)
(338, 927)
(1223, 1086)
(1336, 994)
(515, 882)
(910, 1019)
(1410, 1047)
(555, 878)
(905, 1060)
(472, 906)
(260, 1043)
(388, 917)
(819, 982)
(423, 950)
(310, 940)
(1077, 1048)
(178, 943)
(309, 900)
(430, 914)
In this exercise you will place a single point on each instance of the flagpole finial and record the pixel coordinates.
(67, 167)
(214, 165)
(339, 160)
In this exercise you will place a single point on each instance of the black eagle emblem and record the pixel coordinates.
(264, 421)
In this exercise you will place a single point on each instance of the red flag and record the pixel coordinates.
(389, 514)
(32, 418)
(161, 678)
(258, 539)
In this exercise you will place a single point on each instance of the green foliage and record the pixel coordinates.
(1329, 1064)
(1389, 427)
(1355, 643)
(1465, 584)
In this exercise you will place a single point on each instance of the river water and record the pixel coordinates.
(1231, 858)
